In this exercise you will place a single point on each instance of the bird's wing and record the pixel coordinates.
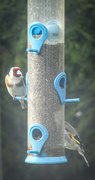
(73, 133)
(8, 85)
(70, 128)
(24, 81)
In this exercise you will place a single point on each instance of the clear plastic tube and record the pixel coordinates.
(44, 106)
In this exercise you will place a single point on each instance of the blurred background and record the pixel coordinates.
(80, 70)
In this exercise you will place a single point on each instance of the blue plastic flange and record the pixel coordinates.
(40, 132)
(36, 43)
(60, 87)
(45, 160)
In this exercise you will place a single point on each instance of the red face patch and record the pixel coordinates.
(16, 68)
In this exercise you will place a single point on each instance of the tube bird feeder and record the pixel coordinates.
(46, 82)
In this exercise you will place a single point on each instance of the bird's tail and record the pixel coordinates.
(85, 160)
(81, 152)
(23, 105)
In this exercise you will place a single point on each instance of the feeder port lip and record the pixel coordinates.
(32, 50)
(72, 100)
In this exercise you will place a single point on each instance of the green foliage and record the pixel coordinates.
(80, 70)
(79, 57)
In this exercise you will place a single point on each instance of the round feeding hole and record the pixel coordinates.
(37, 134)
(62, 82)
(36, 32)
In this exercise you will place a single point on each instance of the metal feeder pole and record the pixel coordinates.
(44, 106)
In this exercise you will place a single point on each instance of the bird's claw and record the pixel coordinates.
(23, 97)
(14, 98)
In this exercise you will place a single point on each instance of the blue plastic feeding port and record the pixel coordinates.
(24, 98)
(37, 35)
(60, 87)
(38, 135)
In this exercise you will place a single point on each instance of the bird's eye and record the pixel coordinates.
(14, 71)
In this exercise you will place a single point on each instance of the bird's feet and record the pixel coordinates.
(23, 97)
(14, 98)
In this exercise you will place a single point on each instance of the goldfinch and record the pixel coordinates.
(15, 84)
(73, 142)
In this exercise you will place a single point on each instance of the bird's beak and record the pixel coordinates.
(18, 72)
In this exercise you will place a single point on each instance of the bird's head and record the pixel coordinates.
(15, 72)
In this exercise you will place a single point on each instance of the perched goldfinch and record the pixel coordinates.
(72, 141)
(15, 84)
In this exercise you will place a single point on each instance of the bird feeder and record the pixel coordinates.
(46, 82)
